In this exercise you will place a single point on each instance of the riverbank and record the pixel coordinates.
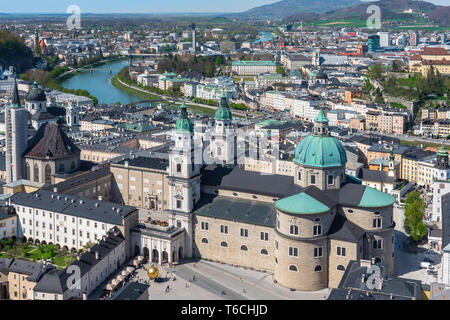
(193, 108)
(66, 76)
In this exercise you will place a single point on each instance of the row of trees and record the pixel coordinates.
(206, 66)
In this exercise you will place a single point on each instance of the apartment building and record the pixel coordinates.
(410, 164)
(253, 68)
(8, 222)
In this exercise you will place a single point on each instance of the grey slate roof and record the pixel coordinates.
(146, 162)
(56, 281)
(237, 179)
(375, 176)
(78, 180)
(392, 288)
(235, 209)
(101, 211)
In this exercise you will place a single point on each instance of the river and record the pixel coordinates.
(99, 83)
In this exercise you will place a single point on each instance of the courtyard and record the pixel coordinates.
(17, 249)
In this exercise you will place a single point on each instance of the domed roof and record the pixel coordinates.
(184, 123)
(319, 149)
(36, 93)
(223, 112)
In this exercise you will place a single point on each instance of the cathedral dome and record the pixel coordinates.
(319, 149)
(223, 112)
(184, 123)
(36, 93)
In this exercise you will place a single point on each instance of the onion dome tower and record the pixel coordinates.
(36, 100)
(184, 177)
(224, 146)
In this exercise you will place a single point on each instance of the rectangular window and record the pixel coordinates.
(313, 179)
(178, 204)
(204, 226)
(341, 251)
(293, 230)
(377, 223)
(377, 244)
(244, 233)
(293, 252)
(223, 229)
(264, 236)
(317, 252)
(299, 175)
(330, 180)
(317, 230)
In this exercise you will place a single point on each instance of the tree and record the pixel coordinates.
(414, 212)
(397, 65)
(375, 72)
(280, 70)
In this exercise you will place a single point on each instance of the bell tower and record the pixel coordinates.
(223, 140)
(184, 177)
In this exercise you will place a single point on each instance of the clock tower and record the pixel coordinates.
(184, 177)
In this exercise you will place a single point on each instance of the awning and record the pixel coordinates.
(120, 277)
(131, 269)
(114, 282)
(125, 272)
(140, 258)
(110, 287)
(135, 262)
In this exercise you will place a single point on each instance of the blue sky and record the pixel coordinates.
(140, 6)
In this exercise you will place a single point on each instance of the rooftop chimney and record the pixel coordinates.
(55, 189)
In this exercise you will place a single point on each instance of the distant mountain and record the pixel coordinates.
(286, 8)
(389, 10)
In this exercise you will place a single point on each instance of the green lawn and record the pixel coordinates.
(23, 251)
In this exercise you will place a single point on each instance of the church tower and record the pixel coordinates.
(184, 177)
(16, 118)
(391, 170)
(223, 140)
(72, 116)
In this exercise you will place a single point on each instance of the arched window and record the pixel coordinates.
(204, 240)
(318, 268)
(264, 252)
(48, 174)
(36, 173)
(62, 168)
(377, 260)
(293, 268)
(224, 244)
(341, 267)
(244, 248)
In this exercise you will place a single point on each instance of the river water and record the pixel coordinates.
(99, 83)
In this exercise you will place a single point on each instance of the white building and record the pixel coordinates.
(8, 223)
(441, 185)
(385, 39)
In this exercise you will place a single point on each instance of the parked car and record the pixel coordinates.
(431, 252)
(432, 270)
(425, 265)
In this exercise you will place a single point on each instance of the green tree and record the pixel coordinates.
(375, 72)
(280, 70)
(414, 212)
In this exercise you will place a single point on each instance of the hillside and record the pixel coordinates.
(14, 52)
(286, 8)
(390, 10)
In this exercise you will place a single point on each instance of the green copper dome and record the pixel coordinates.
(223, 112)
(319, 149)
(36, 93)
(184, 123)
(373, 198)
(301, 203)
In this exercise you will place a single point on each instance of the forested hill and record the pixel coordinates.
(14, 52)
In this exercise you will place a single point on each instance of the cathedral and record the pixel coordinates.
(304, 228)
